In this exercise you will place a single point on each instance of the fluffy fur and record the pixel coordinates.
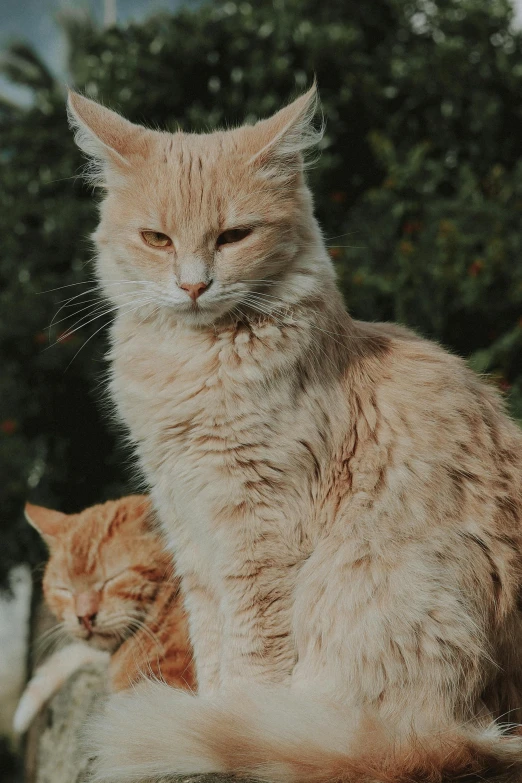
(343, 499)
(110, 583)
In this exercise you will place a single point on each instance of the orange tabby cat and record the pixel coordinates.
(109, 581)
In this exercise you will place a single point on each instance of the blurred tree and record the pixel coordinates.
(418, 188)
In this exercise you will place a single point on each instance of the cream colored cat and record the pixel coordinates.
(344, 499)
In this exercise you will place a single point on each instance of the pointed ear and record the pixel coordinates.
(105, 137)
(133, 510)
(287, 135)
(141, 504)
(49, 523)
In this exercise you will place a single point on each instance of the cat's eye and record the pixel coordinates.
(156, 239)
(115, 576)
(232, 235)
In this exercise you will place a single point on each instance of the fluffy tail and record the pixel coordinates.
(276, 735)
(49, 678)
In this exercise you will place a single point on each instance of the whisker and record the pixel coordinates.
(67, 334)
(67, 301)
(141, 626)
(85, 343)
(49, 640)
(96, 281)
(264, 282)
(149, 315)
(340, 236)
(140, 304)
(101, 305)
(93, 303)
(310, 309)
(88, 318)
(69, 285)
(353, 247)
(98, 290)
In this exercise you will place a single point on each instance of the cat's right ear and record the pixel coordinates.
(108, 139)
(285, 137)
(49, 523)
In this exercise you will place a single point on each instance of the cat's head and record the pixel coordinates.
(105, 567)
(196, 225)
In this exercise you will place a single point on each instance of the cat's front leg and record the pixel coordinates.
(394, 629)
(258, 640)
(205, 623)
(200, 591)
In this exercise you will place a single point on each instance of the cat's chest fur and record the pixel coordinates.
(223, 432)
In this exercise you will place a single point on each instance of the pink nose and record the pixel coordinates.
(194, 289)
(86, 607)
(87, 621)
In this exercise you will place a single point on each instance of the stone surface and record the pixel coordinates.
(59, 754)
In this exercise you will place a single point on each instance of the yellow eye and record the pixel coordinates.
(156, 239)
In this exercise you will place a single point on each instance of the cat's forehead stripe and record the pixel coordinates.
(83, 553)
(88, 536)
(195, 179)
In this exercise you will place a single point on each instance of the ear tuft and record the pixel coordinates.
(290, 133)
(103, 135)
(46, 521)
(140, 511)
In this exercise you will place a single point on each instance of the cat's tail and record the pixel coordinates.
(274, 734)
(49, 678)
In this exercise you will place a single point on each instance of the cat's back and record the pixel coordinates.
(434, 426)
(427, 384)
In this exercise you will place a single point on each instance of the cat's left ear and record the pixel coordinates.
(48, 522)
(108, 139)
(284, 138)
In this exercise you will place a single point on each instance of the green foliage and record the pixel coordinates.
(418, 187)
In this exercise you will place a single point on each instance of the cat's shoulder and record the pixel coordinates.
(401, 349)
(418, 375)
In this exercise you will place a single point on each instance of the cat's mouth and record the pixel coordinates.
(101, 639)
(205, 310)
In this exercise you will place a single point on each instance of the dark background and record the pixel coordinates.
(418, 188)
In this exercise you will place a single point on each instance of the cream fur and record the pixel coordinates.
(343, 499)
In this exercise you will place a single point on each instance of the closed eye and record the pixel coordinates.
(116, 576)
(232, 235)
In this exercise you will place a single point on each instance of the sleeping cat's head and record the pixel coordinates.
(194, 224)
(105, 567)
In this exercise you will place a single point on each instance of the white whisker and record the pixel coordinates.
(67, 301)
(137, 307)
(102, 305)
(97, 282)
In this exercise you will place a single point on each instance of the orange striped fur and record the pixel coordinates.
(112, 556)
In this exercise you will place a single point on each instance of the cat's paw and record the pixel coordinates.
(49, 678)
(29, 706)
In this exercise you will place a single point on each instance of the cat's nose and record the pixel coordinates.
(86, 607)
(88, 621)
(194, 289)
